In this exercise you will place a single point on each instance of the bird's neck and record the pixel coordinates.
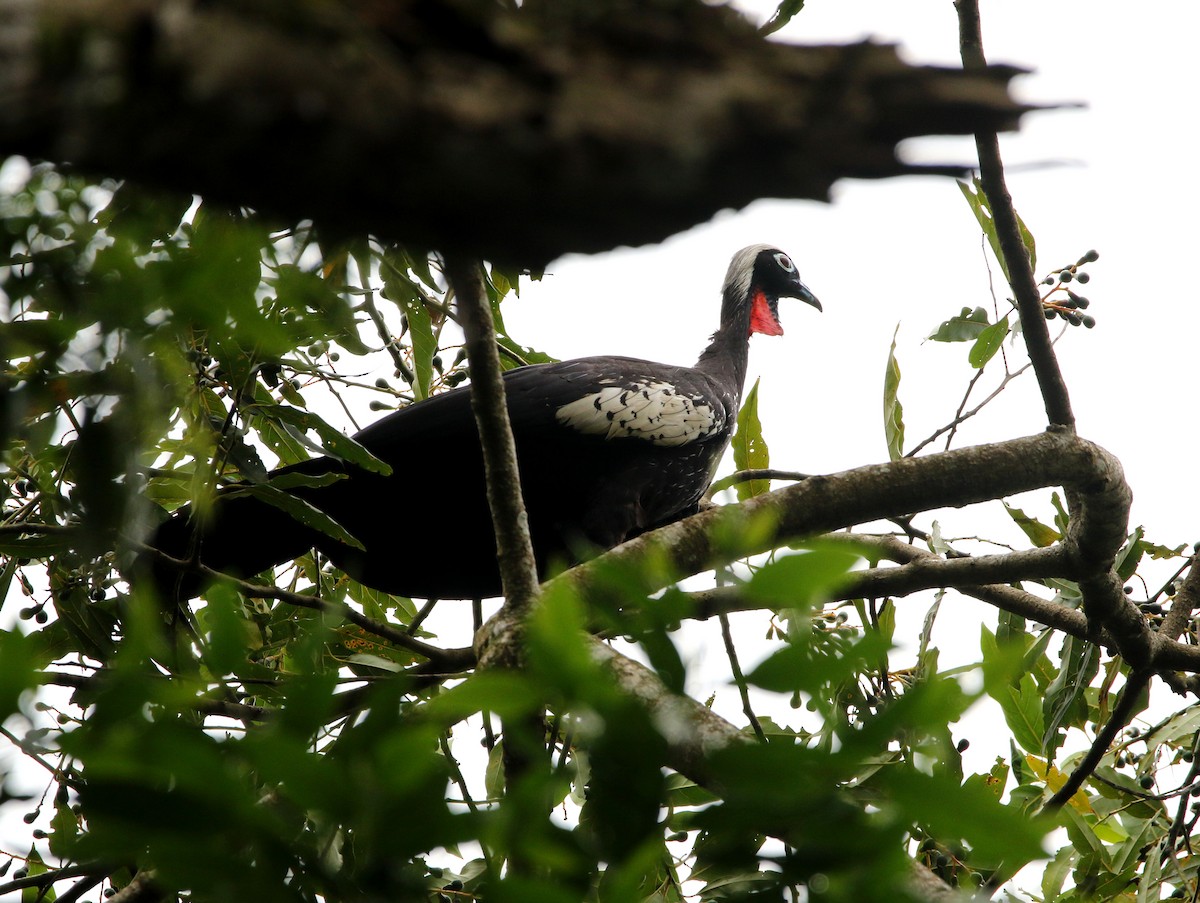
(727, 355)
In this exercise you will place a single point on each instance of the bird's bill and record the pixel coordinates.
(804, 293)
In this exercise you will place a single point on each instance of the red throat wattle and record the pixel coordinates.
(762, 320)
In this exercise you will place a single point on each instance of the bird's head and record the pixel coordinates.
(758, 277)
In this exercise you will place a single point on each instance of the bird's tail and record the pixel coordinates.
(241, 537)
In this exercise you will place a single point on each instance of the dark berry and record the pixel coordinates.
(381, 383)
(963, 744)
(1065, 276)
(1082, 277)
(1082, 303)
(1088, 322)
(1090, 256)
(1129, 590)
(1074, 319)
(1050, 313)
(1146, 781)
(41, 617)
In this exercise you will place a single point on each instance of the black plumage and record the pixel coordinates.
(608, 448)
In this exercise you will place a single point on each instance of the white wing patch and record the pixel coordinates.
(652, 410)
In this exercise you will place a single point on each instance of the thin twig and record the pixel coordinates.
(489, 735)
(500, 641)
(392, 633)
(390, 344)
(420, 616)
(760, 473)
(740, 679)
(961, 417)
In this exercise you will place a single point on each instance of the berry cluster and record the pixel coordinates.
(1070, 307)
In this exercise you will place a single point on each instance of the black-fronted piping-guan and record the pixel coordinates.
(608, 447)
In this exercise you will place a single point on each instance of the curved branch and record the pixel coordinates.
(825, 503)
(1091, 477)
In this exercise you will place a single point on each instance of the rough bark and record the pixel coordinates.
(427, 121)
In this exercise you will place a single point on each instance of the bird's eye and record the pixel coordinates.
(785, 262)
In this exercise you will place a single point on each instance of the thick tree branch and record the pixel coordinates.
(500, 643)
(404, 118)
(1187, 600)
(694, 733)
(514, 551)
(831, 502)
(1016, 258)
(823, 504)
(1117, 719)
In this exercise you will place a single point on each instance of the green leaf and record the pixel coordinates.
(1062, 518)
(1065, 703)
(400, 289)
(1130, 555)
(35, 865)
(983, 214)
(1056, 874)
(969, 812)
(813, 663)
(424, 345)
(749, 447)
(333, 441)
(19, 661)
(965, 327)
(302, 511)
(802, 580)
(988, 343)
(783, 14)
(64, 829)
(1022, 707)
(893, 411)
(1039, 534)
